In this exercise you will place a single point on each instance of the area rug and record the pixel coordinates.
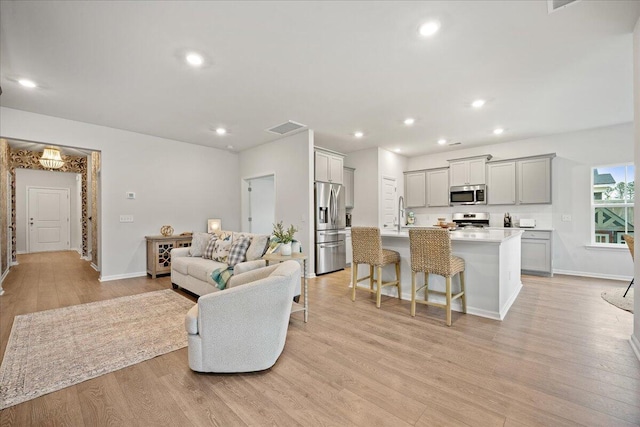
(53, 349)
(614, 296)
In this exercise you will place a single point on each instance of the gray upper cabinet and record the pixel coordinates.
(348, 175)
(415, 189)
(501, 183)
(534, 180)
(329, 167)
(469, 171)
(520, 181)
(438, 187)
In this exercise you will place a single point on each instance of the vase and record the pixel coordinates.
(285, 249)
(295, 247)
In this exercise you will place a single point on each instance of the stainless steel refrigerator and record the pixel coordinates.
(330, 220)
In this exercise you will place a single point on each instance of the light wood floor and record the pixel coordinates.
(561, 357)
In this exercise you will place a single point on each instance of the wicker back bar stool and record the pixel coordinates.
(367, 249)
(431, 254)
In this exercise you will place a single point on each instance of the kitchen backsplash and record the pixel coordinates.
(542, 214)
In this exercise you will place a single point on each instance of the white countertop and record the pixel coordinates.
(489, 235)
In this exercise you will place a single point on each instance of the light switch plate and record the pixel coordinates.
(126, 218)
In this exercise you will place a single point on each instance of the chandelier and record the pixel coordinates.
(51, 159)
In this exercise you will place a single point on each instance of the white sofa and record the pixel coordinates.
(193, 273)
(243, 329)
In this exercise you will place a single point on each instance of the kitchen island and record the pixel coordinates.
(492, 269)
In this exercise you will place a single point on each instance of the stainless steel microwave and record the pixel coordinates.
(468, 195)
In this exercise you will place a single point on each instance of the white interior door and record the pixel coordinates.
(389, 193)
(262, 204)
(48, 219)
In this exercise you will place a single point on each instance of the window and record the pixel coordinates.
(612, 188)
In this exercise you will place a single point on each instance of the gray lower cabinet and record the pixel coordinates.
(536, 252)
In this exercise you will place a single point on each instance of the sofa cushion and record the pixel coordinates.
(201, 269)
(208, 251)
(181, 264)
(258, 244)
(238, 251)
(199, 243)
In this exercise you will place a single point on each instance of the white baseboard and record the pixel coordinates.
(635, 345)
(594, 275)
(95, 267)
(21, 252)
(14, 263)
(122, 276)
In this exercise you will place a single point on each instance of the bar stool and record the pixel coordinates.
(431, 253)
(367, 249)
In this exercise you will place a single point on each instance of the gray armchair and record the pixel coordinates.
(243, 329)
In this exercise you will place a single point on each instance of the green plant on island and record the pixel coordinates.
(281, 235)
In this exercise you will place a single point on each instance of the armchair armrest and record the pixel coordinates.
(191, 320)
(243, 267)
(250, 276)
(179, 252)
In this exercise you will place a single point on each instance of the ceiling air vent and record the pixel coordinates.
(554, 5)
(286, 127)
(455, 143)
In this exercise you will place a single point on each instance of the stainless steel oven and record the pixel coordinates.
(468, 195)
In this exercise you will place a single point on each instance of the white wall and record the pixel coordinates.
(290, 160)
(366, 182)
(635, 338)
(577, 153)
(391, 165)
(47, 179)
(175, 183)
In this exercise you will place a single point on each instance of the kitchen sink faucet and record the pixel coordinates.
(400, 211)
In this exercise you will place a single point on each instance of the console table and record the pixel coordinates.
(159, 252)
(295, 307)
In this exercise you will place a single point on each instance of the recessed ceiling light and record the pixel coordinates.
(221, 131)
(442, 141)
(358, 134)
(27, 83)
(478, 103)
(498, 131)
(429, 28)
(409, 121)
(195, 59)
(397, 150)
(230, 147)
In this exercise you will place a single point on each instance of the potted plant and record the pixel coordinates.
(284, 236)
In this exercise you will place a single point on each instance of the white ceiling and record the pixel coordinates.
(336, 67)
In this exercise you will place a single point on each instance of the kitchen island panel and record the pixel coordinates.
(492, 271)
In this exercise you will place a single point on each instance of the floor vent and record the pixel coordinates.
(554, 5)
(286, 127)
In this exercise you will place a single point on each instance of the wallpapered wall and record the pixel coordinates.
(4, 206)
(95, 167)
(30, 160)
